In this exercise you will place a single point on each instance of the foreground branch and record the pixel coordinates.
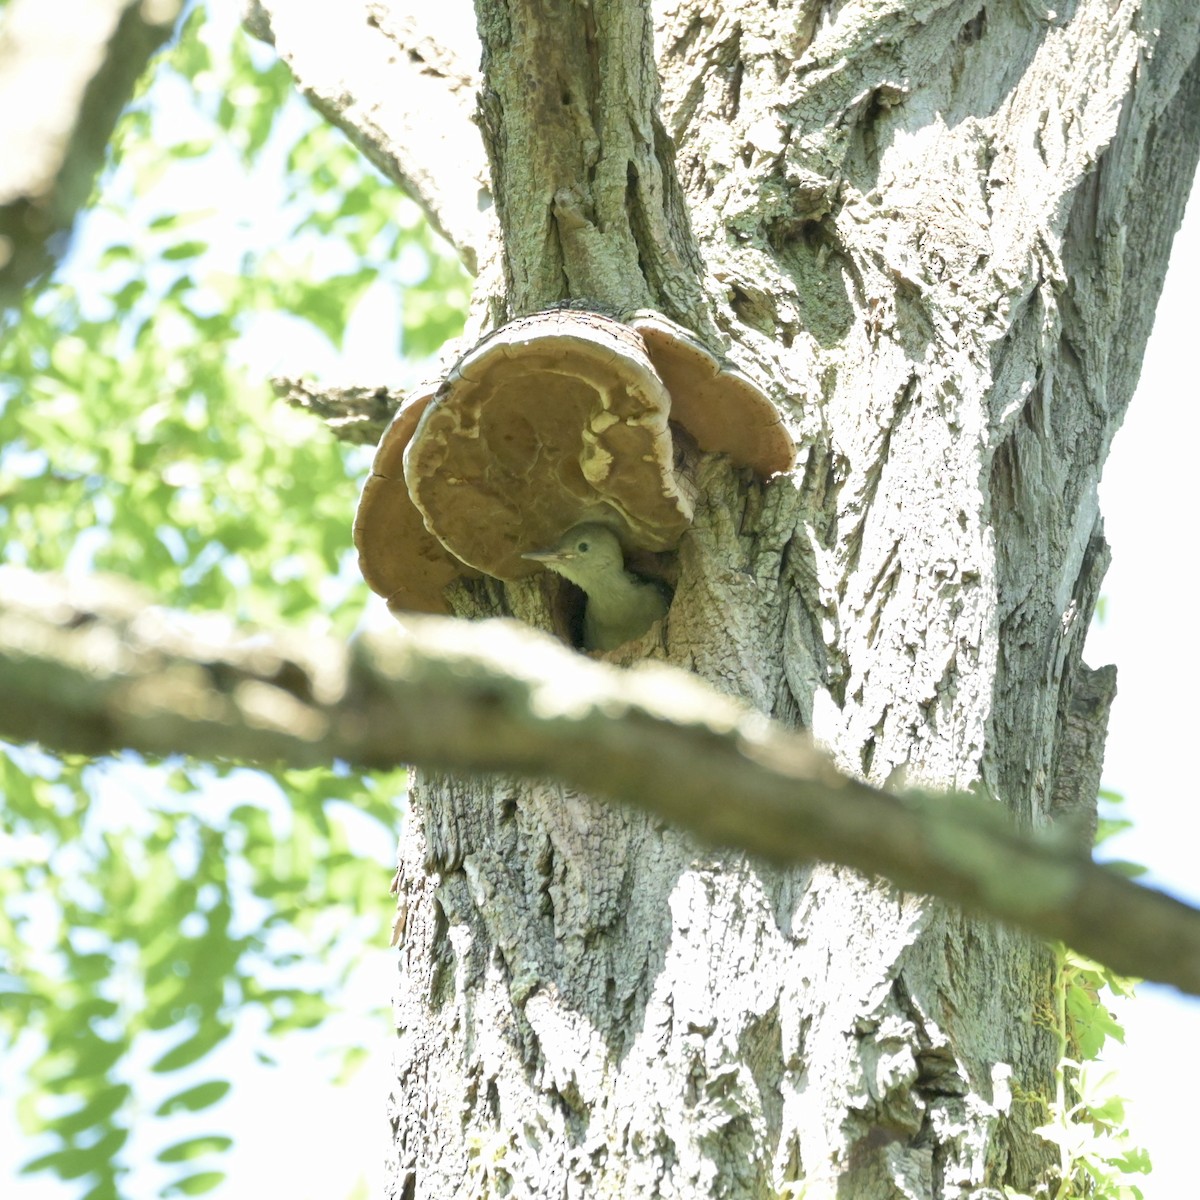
(95, 671)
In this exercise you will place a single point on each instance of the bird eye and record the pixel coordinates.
(582, 547)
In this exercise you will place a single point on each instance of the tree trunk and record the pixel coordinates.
(936, 232)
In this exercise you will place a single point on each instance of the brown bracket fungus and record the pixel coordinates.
(398, 557)
(555, 420)
(723, 410)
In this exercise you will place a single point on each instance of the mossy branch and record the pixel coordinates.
(92, 669)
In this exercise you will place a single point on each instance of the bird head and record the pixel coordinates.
(587, 555)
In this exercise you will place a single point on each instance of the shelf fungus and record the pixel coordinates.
(555, 420)
(398, 557)
(723, 410)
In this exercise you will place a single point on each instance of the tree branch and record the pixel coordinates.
(402, 97)
(91, 669)
(357, 413)
(67, 69)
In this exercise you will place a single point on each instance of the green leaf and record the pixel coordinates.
(191, 1049)
(182, 250)
(195, 148)
(93, 1056)
(194, 1185)
(353, 1059)
(194, 1099)
(194, 1148)
(91, 968)
(98, 1109)
(116, 253)
(1120, 866)
(106, 1189)
(74, 1162)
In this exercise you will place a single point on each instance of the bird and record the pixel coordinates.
(620, 605)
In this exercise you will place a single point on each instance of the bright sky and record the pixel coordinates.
(1151, 634)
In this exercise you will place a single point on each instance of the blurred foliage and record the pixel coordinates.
(1085, 1122)
(148, 912)
(1109, 825)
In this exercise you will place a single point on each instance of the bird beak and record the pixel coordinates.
(548, 556)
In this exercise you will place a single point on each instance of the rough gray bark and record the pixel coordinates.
(937, 231)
